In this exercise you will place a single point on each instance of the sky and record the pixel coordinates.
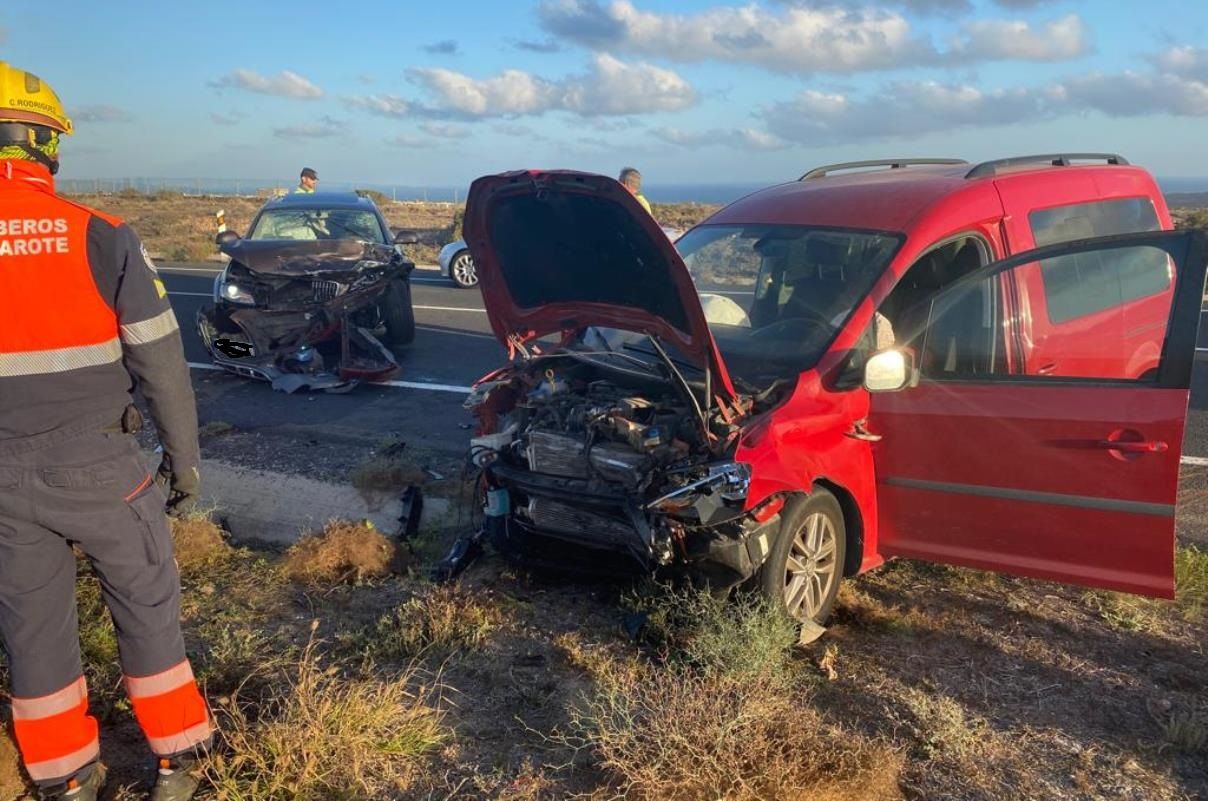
(689, 91)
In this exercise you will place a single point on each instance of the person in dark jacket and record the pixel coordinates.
(84, 322)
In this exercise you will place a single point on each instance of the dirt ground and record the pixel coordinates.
(931, 683)
(178, 227)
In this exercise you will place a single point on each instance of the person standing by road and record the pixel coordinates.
(307, 182)
(84, 320)
(631, 179)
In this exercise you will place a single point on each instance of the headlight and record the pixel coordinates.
(730, 480)
(228, 290)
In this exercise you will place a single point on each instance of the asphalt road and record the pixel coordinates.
(453, 347)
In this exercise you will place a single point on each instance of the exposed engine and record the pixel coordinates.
(617, 460)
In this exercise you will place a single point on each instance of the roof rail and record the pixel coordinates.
(821, 172)
(1053, 159)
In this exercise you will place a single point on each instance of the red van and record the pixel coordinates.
(982, 365)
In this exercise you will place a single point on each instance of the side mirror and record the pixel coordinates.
(226, 238)
(404, 237)
(890, 371)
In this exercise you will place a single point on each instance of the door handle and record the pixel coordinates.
(1152, 446)
(860, 431)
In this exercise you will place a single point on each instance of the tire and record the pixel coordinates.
(806, 589)
(462, 270)
(397, 314)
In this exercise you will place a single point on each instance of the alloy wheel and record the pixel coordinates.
(464, 272)
(811, 568)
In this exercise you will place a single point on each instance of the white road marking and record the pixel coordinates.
(421, 385)
(450, 308)
(397, 384)
(473, 334)
(1195, 461)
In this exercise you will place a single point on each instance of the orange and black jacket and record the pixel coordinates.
(84, 321)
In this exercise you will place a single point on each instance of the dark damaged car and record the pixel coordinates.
(314, 297)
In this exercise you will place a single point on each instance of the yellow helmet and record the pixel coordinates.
(26, 98)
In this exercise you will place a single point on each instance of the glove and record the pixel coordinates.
(180, 487)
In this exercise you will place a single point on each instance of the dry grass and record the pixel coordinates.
(723, 718)
(323, 735)
(12, 782)
(342, 552)
(199, 543)
(176, 227)
(680, 737)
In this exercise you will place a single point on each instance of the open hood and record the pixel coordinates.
(561, 250)
(311, 257)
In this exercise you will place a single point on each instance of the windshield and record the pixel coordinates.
(775, 295)
(309, 224)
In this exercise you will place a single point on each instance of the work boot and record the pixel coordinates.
(177, 779)
(76, 788)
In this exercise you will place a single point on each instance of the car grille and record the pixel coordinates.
(579, 524)
(325, 290)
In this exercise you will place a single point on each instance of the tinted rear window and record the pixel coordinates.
(1078, 285)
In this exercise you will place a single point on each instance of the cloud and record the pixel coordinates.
(324, 128)
(228, 118)
(403, 140)
(1184, 61)
(792, 39)
(1058, 40)
(1132, 95)
(101, 113)
(382, 105)
(283, 84)
(609, 87)
(913, 6)
(1178, 86)
(544, 46)
(738, 138)
(446, 47)
(903, 109)
(803, 37)
(444, 130)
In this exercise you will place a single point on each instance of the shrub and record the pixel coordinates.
(342, 552)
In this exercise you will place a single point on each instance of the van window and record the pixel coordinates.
(1084, 284)
(1122, 342)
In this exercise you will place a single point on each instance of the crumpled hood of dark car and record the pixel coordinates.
(275, 257)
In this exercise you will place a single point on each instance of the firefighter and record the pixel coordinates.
(84, 320)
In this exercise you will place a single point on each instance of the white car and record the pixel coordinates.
(457, 264)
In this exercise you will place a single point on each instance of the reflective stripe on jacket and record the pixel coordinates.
(84, 318)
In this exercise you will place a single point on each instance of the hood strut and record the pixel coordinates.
(682, 383)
